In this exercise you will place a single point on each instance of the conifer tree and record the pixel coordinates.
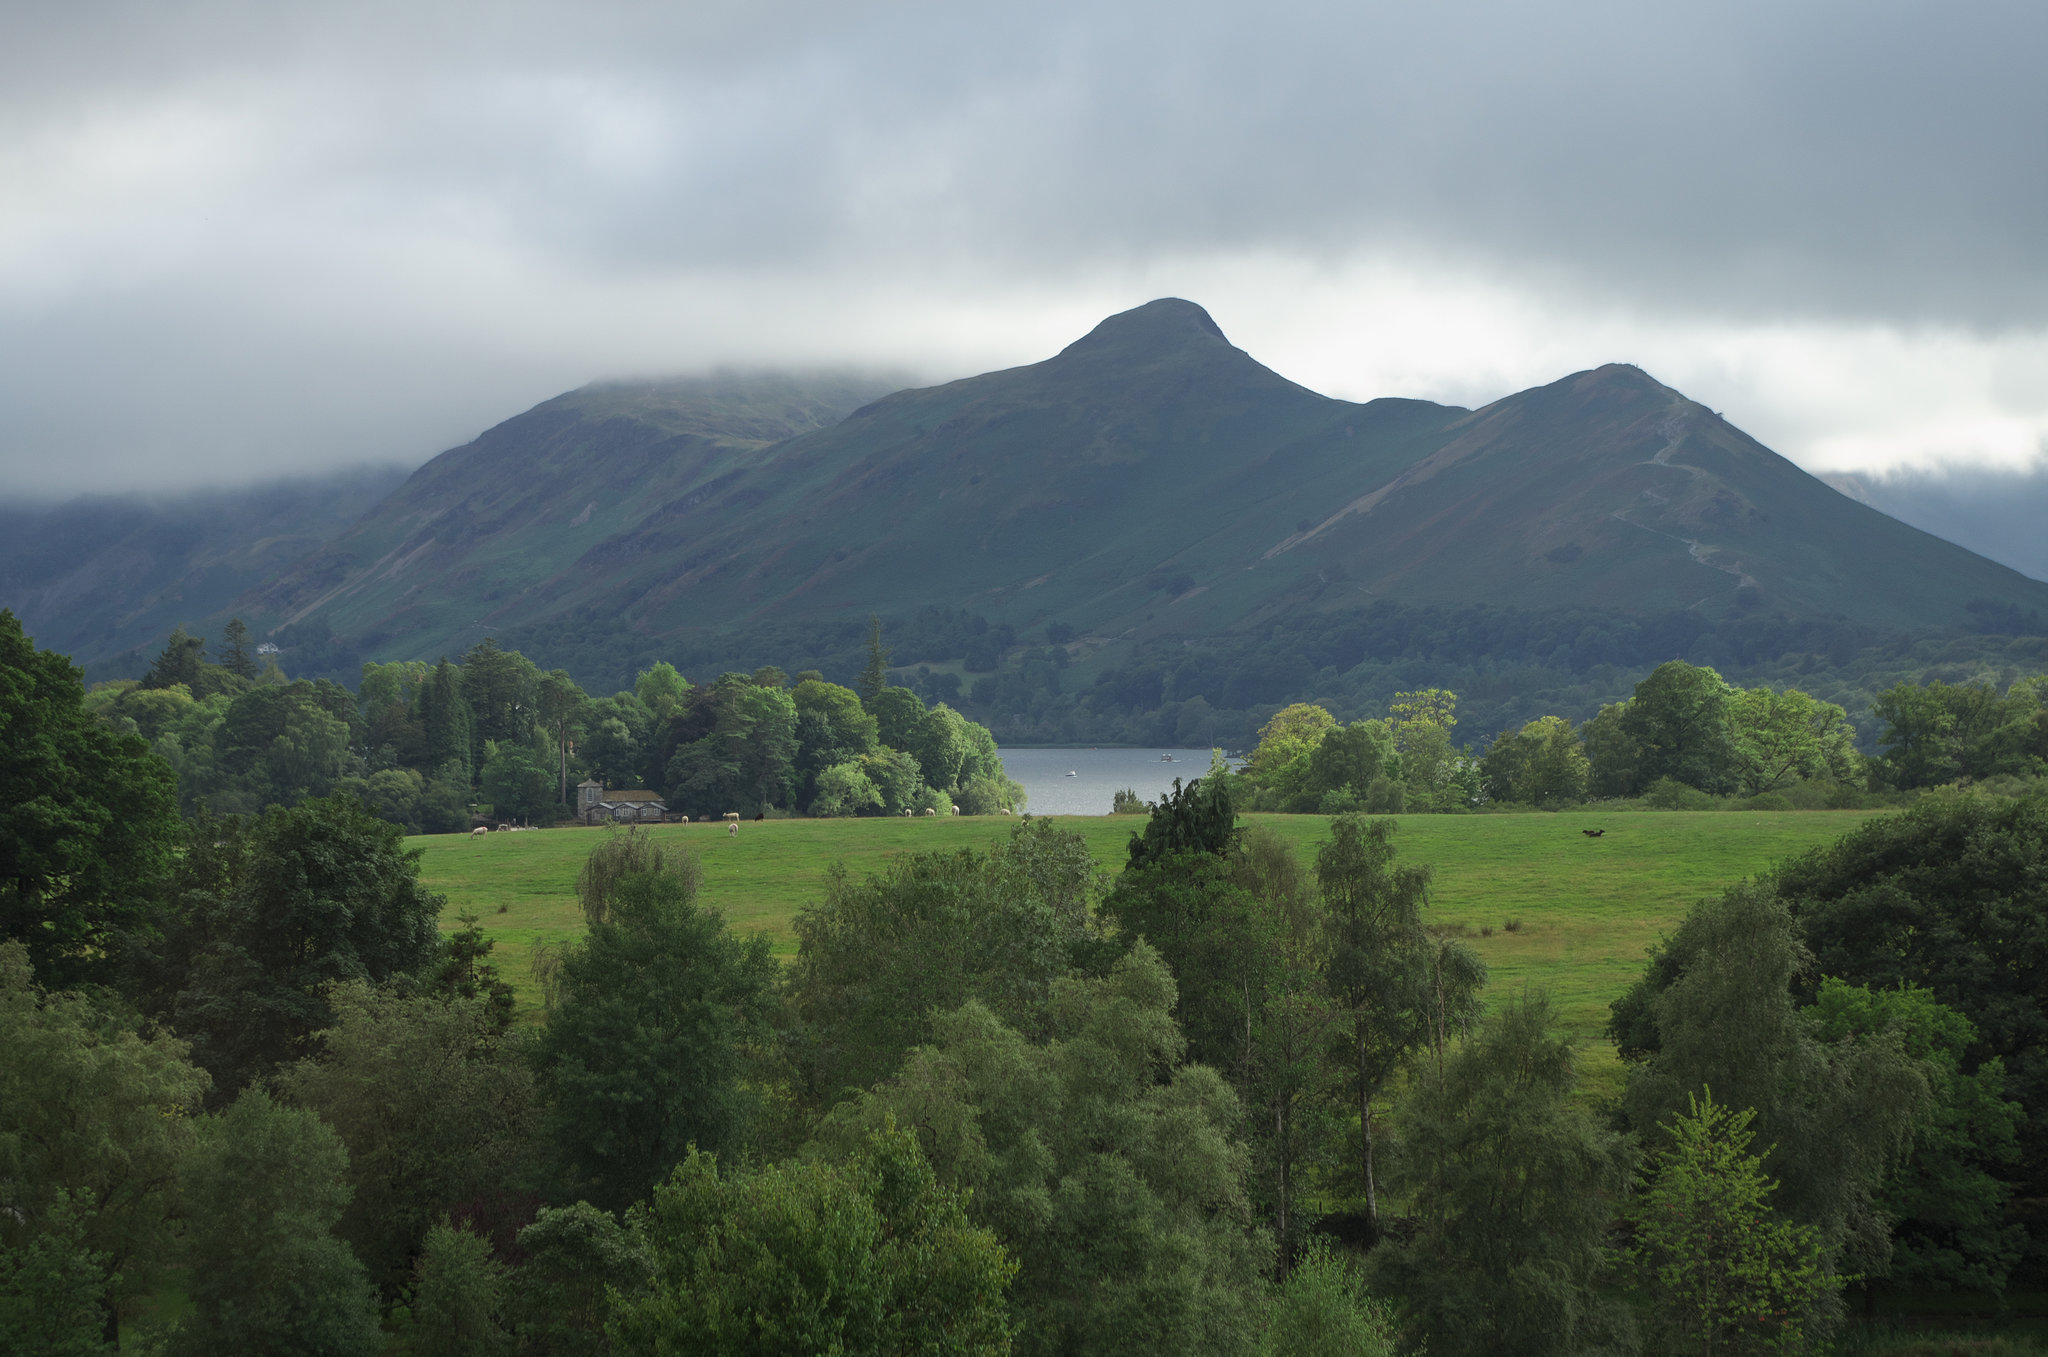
(237, 656)
(874, 675)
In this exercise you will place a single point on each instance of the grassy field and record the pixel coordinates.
(1584, 910)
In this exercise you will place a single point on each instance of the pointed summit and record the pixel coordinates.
(1168, 325)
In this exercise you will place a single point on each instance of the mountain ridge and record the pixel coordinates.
(1149, 481)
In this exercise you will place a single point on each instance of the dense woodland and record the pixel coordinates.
(430, 747)
(1227, 1101)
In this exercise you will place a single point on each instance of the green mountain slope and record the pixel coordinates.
(104, 578)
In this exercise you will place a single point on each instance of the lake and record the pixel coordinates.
(1098, 775)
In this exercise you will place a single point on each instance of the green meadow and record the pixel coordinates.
(1541, 902)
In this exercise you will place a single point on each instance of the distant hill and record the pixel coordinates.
(1994, 513)
(1189, 525)
(478, 539)
(105, 577)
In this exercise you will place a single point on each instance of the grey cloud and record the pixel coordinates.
(1759, 161)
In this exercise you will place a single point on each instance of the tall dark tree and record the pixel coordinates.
(88, 818)
(237, 651)
(265, 914)
(648, 1015)
(445, 715)
(874, 675)
(183, 660)
(502, 689)
(561, 703)
(1198, 818)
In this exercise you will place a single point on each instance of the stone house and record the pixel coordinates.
(595, 805)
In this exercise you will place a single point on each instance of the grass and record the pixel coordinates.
(1540, 902)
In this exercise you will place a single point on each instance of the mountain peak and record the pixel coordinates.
(1616, 378)
(1163, 326)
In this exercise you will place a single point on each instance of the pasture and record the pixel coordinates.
(1540, 902)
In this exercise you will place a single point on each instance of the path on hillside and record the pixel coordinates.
(1673, 430)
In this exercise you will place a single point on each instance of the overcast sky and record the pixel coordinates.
(240, 239)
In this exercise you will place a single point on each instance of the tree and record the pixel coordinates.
(844, 789)
(1373, 954)
(1279, 764)
(647, 1017)
(1351, 759)
(265, 914)
(515, 782)
(502, 688)
(88, 819)
(1679, 723)
(874, 675)
(53, 1285)
(746, 759)
(1198, 818)
(1321, 1310)
(459, 1296)
(447, 723)
(91, 1109)
(661, 689)
(1511, 1184)
(1221, 943)
(1950, 896)
(1947, 1207)
(898, 714)
(1721, 1269)
(576, 1256)
(873, 1256)
(183, 662)
(832, 729)
(278, 744)
(1781, 738)
(1716, 1010)
(1613, 756)
(894, 776)
(1929, 730)
(238, 655)
(1422, 723)
(262, 1188)
(878, 960)
(1541, 764)
(436, 1106)
(1106, 1165)
(560, 702)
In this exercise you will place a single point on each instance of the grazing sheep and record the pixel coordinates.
(929, 811)
(478, 832)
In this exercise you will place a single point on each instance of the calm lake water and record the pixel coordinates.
(1098, 775)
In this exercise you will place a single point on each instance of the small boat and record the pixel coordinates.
(1168, 758)
(1072, 773)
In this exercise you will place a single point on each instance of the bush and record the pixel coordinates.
(1128, 802)
(1342, 801)
(1668, 793)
